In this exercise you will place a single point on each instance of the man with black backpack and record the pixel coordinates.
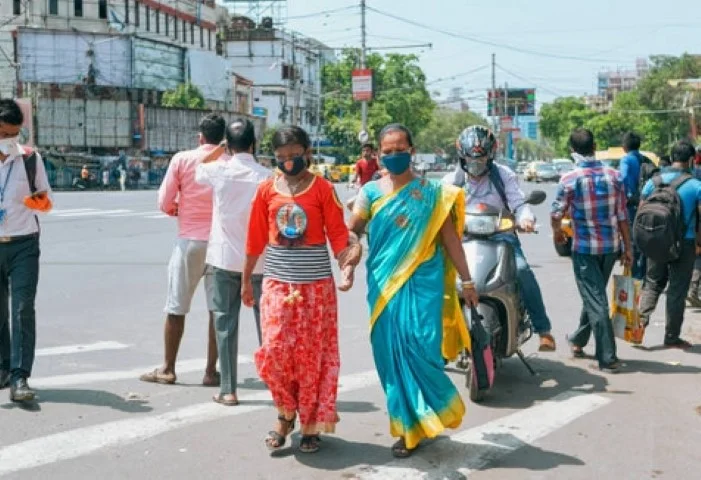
(666, 231)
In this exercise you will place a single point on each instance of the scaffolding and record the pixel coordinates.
(266, 13)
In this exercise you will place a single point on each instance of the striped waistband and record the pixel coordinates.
(297, 265)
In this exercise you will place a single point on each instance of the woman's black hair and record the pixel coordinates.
(290, 135)
(397, 127)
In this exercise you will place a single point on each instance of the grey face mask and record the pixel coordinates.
(476, 168)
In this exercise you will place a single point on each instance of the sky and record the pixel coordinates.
(556, 46)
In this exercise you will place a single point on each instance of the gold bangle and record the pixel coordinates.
(468, 284)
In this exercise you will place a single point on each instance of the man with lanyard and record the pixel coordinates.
(20, 198)
(486, 182)
(630, 169)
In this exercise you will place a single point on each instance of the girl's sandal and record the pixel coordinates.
(309, 444)
(399, 449)
(275, 440)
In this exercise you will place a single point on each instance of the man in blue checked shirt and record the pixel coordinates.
(594, 197)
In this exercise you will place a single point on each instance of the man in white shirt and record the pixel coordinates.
(234, 181)
(24, 190)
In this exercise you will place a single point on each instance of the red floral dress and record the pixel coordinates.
(299, 358)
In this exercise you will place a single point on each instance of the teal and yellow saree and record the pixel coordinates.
(415, 319)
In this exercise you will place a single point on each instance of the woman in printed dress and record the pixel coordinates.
(292, 217)
(414, 227)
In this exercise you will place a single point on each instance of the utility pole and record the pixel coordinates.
(364, 105)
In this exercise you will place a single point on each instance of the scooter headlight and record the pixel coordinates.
(480, 224)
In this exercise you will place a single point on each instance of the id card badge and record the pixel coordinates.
(3, 216)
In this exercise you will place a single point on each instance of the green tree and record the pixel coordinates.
(266, 144)
(186, 95)
(559, 118)
(400, 96)
(528, 150)
(443, 129)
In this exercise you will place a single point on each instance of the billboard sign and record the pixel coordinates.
(512, 102)
(362, 84)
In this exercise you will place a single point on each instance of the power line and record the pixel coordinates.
(524, 79)
(458, 75)
(489, 43)
(324, 12)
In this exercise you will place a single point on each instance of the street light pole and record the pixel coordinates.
(364, 104)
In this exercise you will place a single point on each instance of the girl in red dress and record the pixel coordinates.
(293, 216)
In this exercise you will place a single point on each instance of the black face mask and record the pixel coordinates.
(299, 163)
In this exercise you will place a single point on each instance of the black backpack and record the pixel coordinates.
(659, 226)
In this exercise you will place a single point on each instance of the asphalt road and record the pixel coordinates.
(100, 321)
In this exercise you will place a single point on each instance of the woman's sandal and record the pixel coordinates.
(309, 443)
(274, 440)
(399, 449)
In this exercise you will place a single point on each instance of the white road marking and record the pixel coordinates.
(91, 213)
(184, 366)
(70, 349)
(71, 210)
(136, 214)
(161, 215)
(83, 441)
(479, 447)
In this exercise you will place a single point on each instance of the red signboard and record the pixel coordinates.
(362, 84)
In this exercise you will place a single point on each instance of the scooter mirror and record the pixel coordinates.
(536, 197)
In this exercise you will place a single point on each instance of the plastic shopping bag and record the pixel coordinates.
(625, 315)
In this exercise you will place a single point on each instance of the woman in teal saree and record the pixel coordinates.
(413, 228)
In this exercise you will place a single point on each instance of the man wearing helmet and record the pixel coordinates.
(484, 181)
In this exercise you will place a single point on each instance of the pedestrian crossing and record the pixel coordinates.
(463, 452)
(106, 213)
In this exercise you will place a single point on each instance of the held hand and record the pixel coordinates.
(469, 294)
(698, 249)
(247, 294)
(350, 256)
(348, 279)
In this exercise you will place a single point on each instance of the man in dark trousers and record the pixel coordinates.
(19, 252)
(594, 197)
(675, 275)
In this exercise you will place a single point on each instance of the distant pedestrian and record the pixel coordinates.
(106, 178)
(293, 217)
(674, 275)
(367, 165)
(21, 196)
(122, 178)
(631, 168)
(234, 181)
(182, 197)
(594, 197)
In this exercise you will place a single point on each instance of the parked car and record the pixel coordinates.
(530, 173)
(546, 172)
(563, 165)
